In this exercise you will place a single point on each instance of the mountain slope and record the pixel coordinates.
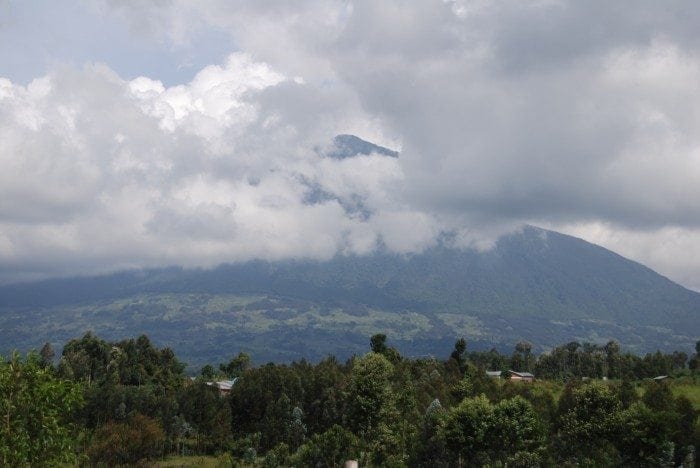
(347, 146)
(537, 285)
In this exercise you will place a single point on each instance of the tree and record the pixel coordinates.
(208, 372)
(522, 359)
(296, 429)
(262, 400)
(323, 401)
(590, 425)
(430, 449)
(475, 382)
(612, 359)
(458, 353)
(378, 343)
(35, 410)
(694, 363)
(679, 360)
(644, 438)
(658, 396)
(517, 435)
(331, 448)
(85, 358)
(626, 393)
(236, 366)
(685, 435)
(467, 428)
(372, 410)
(370, 398)
(509, 433)
(209, 414)
(46, 355)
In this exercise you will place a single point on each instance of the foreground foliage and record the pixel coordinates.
(128, 402)
(35, 413)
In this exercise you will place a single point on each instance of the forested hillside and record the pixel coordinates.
(535, 284)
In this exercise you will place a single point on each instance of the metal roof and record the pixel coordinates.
(522, 374)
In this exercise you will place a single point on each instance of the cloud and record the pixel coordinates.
(576, 116)
(101, 173)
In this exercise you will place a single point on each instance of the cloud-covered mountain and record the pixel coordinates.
(536, 285)
(347, 146)
(143, 134)
(137, 135)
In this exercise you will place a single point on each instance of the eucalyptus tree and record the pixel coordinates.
(35, 410)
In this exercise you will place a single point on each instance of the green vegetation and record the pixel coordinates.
(35, 413)
(130, 403)
(207, 326)
(688, 387)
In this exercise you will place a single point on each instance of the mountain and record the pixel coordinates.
(347, 146)
(536, 285)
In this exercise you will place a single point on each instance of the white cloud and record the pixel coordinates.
(577, 116)
(100, 173)
(212, 102)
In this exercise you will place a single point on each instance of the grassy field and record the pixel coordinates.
(688, 387)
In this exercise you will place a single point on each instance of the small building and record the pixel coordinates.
(495, 374)
(224, 386)
(661, 378)
(521, 376)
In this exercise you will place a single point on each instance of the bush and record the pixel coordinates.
(140, 438)
(331, 448)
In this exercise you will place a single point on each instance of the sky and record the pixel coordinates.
(141, 133)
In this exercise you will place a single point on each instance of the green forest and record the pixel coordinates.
(131, 403)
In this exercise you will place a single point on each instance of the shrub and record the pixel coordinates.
(140, 438)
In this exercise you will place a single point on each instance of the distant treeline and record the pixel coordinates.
(125, 402)
(587, 360)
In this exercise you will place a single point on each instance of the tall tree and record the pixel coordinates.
(612, 359)
(370, 398)
(378, 343)
(85, 358)
(46, 355)
(644, 438)
(517, 435)
(522, 359)
(466, 431)
(509, 433)
(35, 414)
(207, 413)
(590, 425)
(458, 353)
(236, 366)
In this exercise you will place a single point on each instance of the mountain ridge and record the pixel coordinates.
(347, 146)
(538, 285)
